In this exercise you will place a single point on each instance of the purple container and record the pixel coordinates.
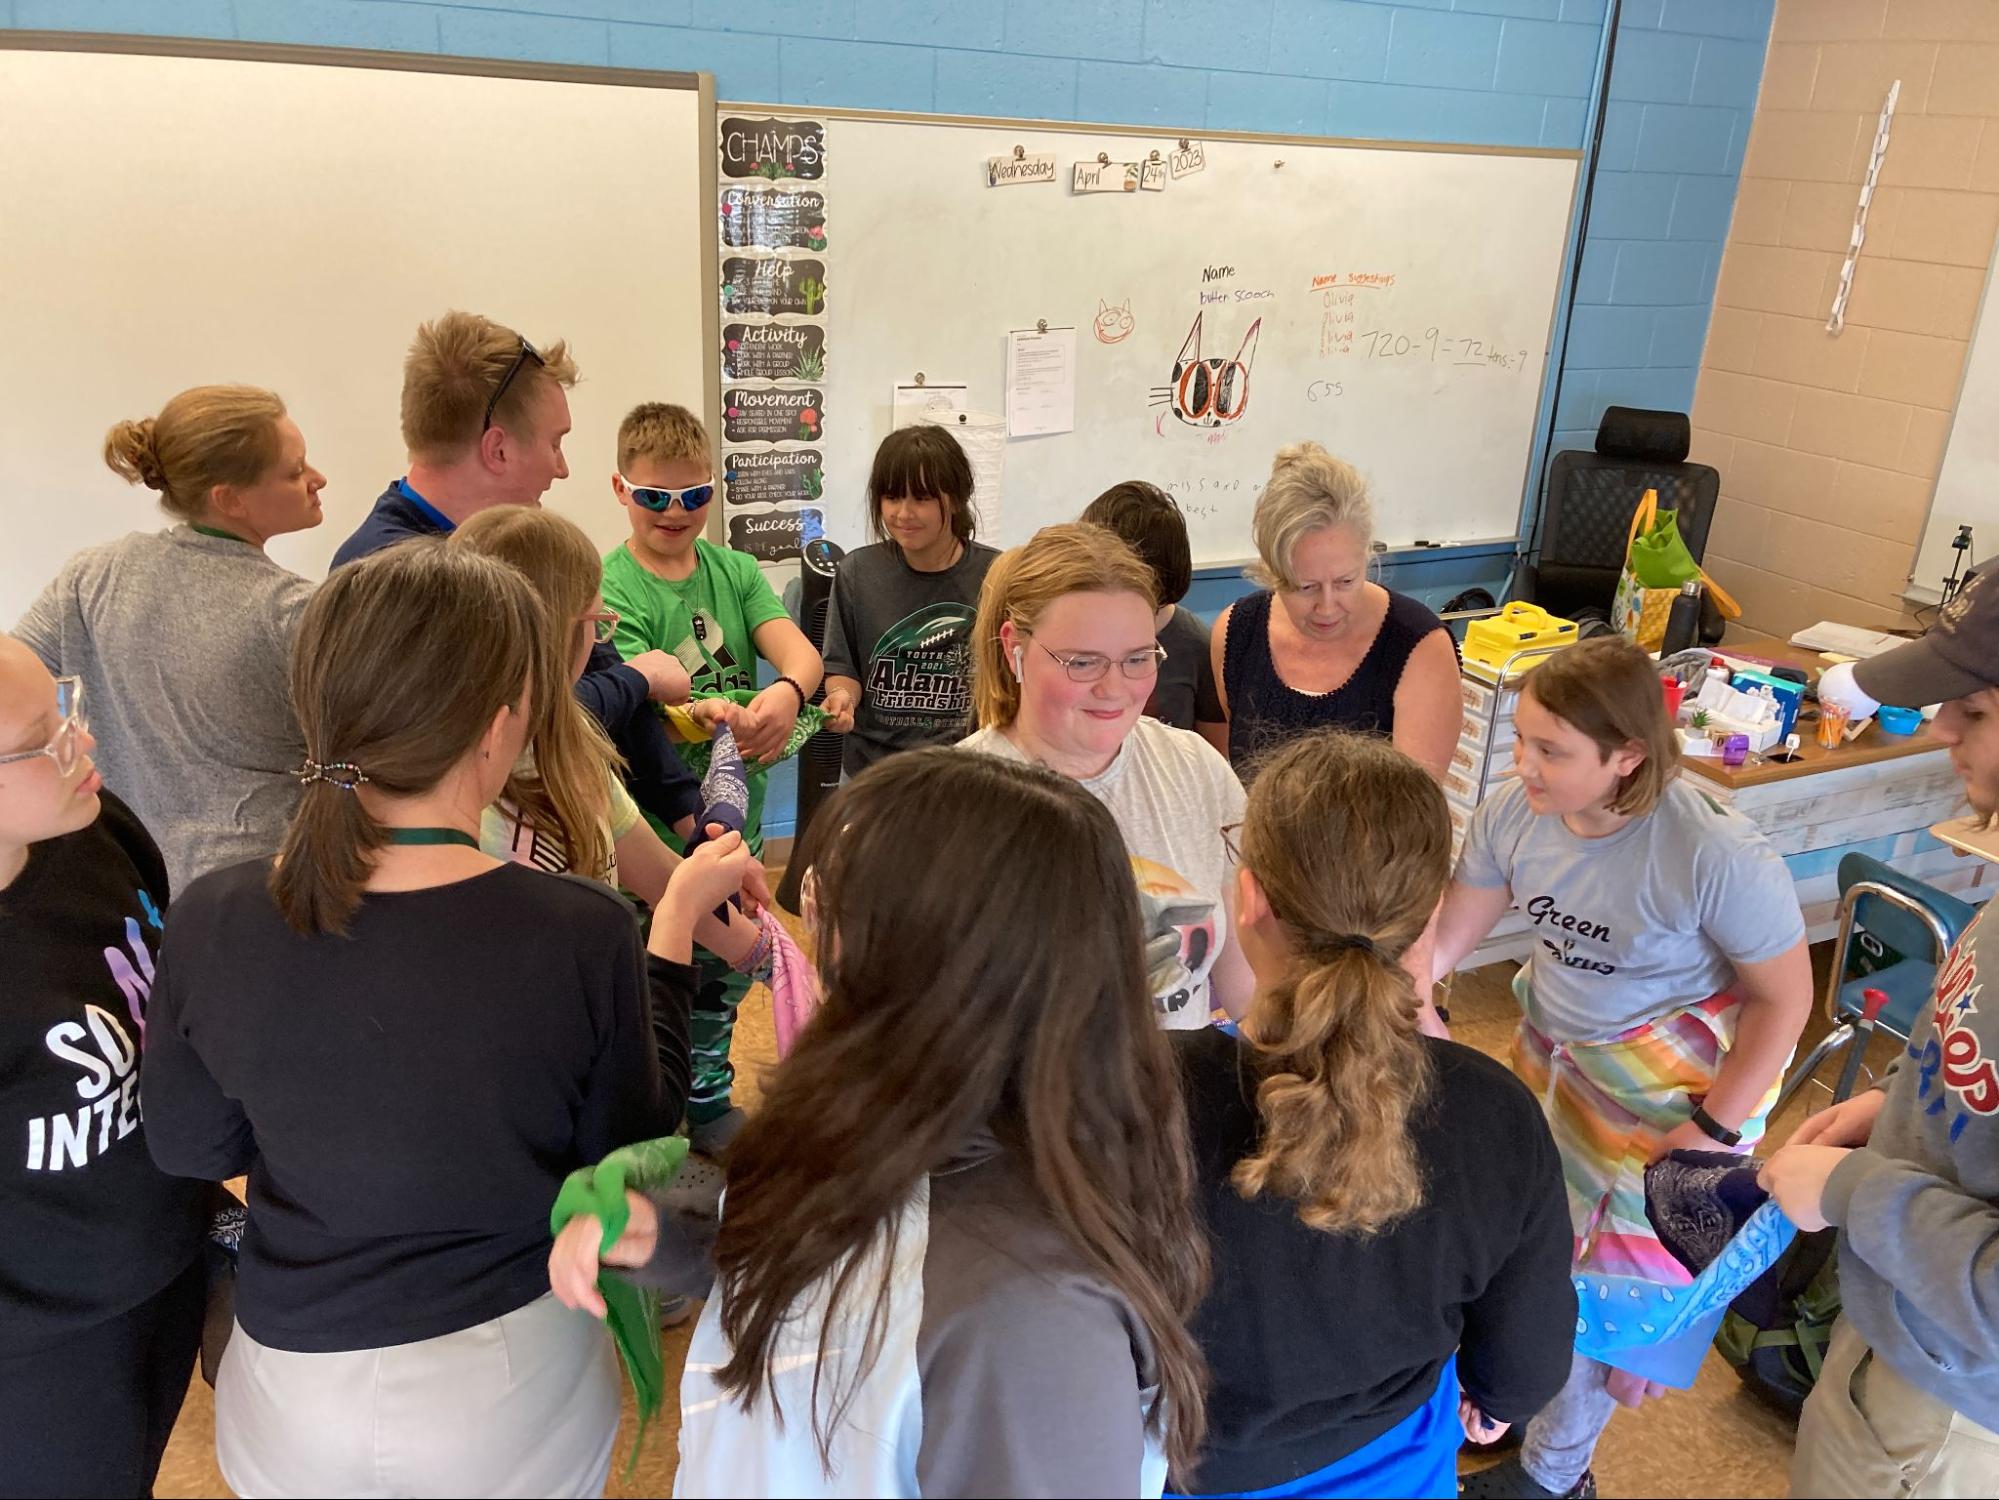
(1735, 750)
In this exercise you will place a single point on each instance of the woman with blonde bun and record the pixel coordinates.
(180, 637)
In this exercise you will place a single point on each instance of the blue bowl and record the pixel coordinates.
(1900, 720)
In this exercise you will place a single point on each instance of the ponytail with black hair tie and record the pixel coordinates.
(1343, 942)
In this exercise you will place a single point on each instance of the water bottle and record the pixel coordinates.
(1683, 621)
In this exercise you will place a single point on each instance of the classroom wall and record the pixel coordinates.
(1828, 446)
(1492, 72)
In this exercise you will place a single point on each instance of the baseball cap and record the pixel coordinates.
(1958, 657)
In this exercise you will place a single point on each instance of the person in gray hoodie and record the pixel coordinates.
(1907, 1402)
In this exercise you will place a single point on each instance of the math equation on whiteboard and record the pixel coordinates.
(1434, 346)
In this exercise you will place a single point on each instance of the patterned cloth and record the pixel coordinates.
(1616, 1315)
(1699, 1200)
(1608, 1105)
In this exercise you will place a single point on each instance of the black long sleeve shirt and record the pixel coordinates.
(406, 1099)
(1319, 1342)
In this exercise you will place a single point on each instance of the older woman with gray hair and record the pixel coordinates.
(1340, 650)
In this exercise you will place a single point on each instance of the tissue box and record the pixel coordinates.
(1789, 695)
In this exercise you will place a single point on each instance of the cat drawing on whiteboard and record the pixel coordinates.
(1209, 392)
(1113, 324)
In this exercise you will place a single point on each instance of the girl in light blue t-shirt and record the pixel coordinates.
(1668, 983)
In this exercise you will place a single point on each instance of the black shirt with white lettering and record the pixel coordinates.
(89, 1227)
(408, 1098)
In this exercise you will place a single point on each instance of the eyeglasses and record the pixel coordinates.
(67, 742)
(652, 497)
(527, 352)
(1232, 842)
(1088, 666)
(602, 626)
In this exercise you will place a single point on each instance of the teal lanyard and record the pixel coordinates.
(227, 536)
(431, 836)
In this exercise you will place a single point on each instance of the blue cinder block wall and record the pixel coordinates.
(1489, 72)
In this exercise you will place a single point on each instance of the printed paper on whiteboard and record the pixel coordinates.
(983, 437)
(913, 402)
(1040, 382)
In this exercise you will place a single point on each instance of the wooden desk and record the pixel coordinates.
(1968, 835)
(1873, 744)
(1879, 793)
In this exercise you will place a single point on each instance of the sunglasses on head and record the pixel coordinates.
(527, 352)
(652, 497)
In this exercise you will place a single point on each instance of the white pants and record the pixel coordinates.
(526, 1404)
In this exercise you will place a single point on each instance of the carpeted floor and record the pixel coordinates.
(1714, 1440)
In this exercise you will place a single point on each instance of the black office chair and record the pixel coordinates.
(1572, 567)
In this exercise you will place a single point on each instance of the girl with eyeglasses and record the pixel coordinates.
(1065, 660)
(101, 1275)
(899, 622)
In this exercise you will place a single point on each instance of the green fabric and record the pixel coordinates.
(711, 1034)
(811, 719)
(709, 621)
(430, 836)
(1660, 557)
(631, 1312)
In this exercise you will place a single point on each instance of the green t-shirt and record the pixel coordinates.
(707, 620)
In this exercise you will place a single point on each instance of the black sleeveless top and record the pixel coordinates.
(1264, 711)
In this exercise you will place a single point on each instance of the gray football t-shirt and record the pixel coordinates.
(1631, 927)
(906, 637)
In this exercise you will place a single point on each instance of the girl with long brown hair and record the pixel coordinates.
(407, 1044)
(958, 1246)
(1386, 1207)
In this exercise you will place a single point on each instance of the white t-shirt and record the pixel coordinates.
(1171, 793)
(1647, 921)
(504, 835)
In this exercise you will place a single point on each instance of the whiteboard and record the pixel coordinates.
(175, 220)
(1968, 483)
(1402, 301)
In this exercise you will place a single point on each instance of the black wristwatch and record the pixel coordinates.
(1714, 1130)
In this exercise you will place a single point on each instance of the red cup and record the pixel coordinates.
(1675, 692)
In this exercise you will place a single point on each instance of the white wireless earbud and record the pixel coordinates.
(1019, 664)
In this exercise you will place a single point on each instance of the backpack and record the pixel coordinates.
(1775, 1333)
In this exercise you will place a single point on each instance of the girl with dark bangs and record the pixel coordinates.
(958, 1248)
(899, 625)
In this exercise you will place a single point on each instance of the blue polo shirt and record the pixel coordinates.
(400, 512)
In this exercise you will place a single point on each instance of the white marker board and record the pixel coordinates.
(1404, 297)
(1967, 491)
(175, 220)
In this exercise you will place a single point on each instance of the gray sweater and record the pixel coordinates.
(183, 643)
(1918, 1206)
